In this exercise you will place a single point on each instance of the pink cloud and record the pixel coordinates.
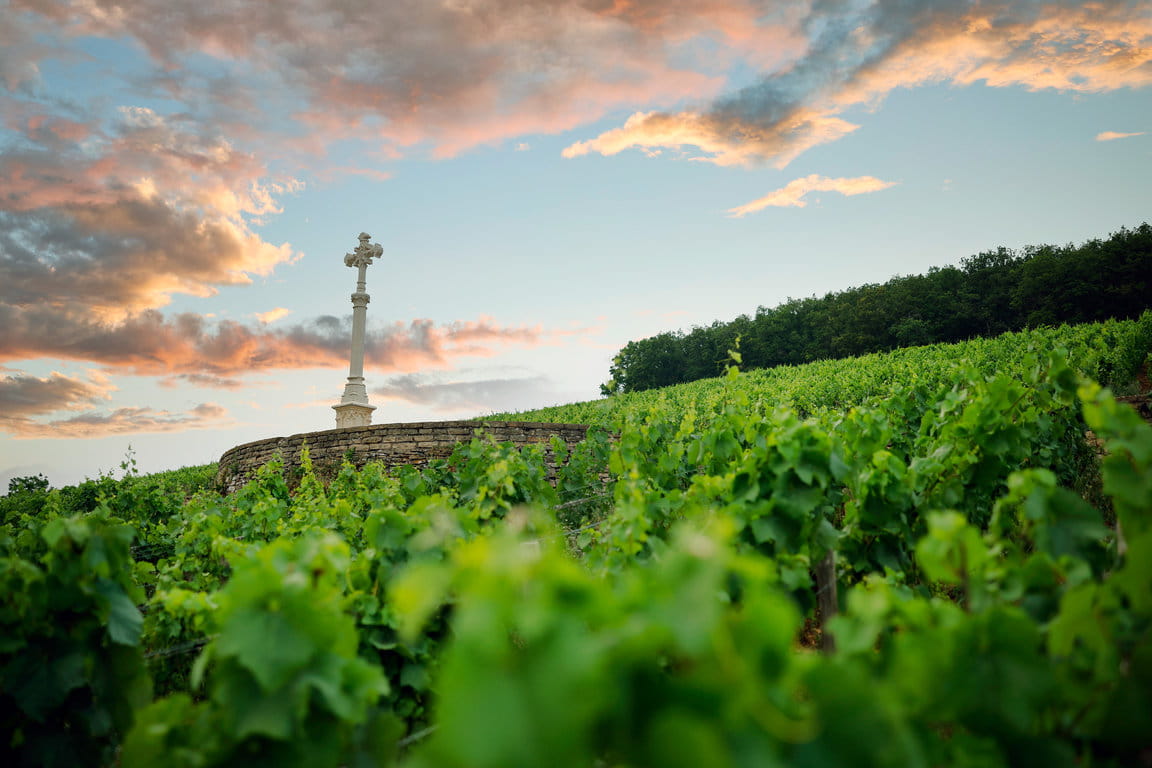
(483, 116)
(23, 395)
(452, 74)
(721, 141)
(1113, 135)
(25, 400)
(1091, 48)
(150, 344)
(122, 421)
(206, 380)
(113, 221)
(792, 194)
(333, 173)
(273, 315)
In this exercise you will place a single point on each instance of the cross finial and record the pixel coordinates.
(364, 253)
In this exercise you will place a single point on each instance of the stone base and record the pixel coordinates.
(353, 415)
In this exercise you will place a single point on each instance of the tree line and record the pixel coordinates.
(987, 294)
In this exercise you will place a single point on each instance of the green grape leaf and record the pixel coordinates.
(265, 643)
(125, 621)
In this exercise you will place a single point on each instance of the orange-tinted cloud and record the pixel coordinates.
(792, 194)
(27, 403)
(330, 174)
(273, 315)
(122, 421)
(22, 46)
(150, 344)
(107, 215)
(858, 55)
(450, 74)
(1078, 47)
(205, 380)
(26, 400)
(454, 75)
(722, 141)
(1113, 135)
(23, 395)
(112, 221)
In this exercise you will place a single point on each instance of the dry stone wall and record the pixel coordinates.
(392, 444)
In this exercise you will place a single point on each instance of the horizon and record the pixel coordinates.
(547, 181)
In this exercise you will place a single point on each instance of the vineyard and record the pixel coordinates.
(940, 556)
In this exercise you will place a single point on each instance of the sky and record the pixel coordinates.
(548, 179)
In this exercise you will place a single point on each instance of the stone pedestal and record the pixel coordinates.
(353, 415)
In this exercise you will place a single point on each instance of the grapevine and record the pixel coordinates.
(907, 559)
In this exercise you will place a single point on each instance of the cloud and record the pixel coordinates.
(151, 344)
(108, 213)
(408, 76)
(723, 142)
(24, 395)
(25, 399)
(111, 220)
(792, 194)
(1113, 135)
(205, 380)
(22, 47)
(478, 396)
(329, 174)
(453, 74)
(273, 315)
(122, 421)
(856, 54)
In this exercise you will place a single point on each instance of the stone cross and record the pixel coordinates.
(353, 410)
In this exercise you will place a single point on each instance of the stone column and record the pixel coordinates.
(354, 410)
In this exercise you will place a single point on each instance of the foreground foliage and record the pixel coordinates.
(479, 613)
